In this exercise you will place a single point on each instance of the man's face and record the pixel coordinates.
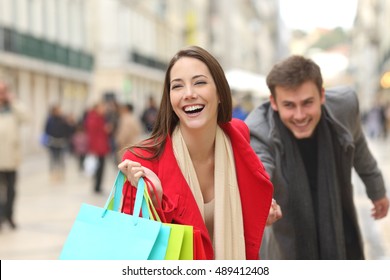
(299, 109)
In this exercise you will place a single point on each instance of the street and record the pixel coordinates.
(45, 211)
(376, 234)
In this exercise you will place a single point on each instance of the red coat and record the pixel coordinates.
(179, 205)
(98, 137)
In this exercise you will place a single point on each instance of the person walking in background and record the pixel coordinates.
(58, 132)
(98, 133)
(129, 129)
(197, 156)
(112, 118)
(387, 119)
(309, 140)
(238, 111)
(12, 115)
(375, 120)
(149, 115)
(80, 144)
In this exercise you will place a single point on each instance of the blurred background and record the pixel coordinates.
(76, 53)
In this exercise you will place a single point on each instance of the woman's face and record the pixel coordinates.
(193, 94)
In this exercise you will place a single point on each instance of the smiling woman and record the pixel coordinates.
(308, 15)
(197, 159)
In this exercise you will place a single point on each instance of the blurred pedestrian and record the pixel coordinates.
(58, 131)
(309, 140)
(80, 144)
(12, 115)
(198, 156)
(98, 133)
(238, 111)
(149, 115)
(387, 119)
(129, 129)
(375, 121)
(112, 118)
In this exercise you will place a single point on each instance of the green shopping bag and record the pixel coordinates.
(180, 243)
(106, 234)
(187, 247)
(175, 243)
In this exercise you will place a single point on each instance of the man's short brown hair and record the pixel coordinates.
(293, 72)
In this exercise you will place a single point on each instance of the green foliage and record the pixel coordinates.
(331, 39)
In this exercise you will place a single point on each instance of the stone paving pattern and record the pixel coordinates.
(45, 210)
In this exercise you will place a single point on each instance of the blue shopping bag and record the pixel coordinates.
(107, 234)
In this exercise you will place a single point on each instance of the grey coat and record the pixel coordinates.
(343, 108)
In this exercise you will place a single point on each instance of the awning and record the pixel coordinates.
(245, 81)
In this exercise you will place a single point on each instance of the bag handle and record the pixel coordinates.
(115, 196)
(139, 197)
(114, 199)
(148, 209)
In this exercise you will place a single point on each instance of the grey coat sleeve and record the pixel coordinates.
(363, 161)
(260, 138)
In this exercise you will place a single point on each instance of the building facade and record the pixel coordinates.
(370, 58)
(45, 54)
(76, 52)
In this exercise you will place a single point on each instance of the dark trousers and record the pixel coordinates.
(7, 194)
(81, 159)
(99, 174)
(57, 159)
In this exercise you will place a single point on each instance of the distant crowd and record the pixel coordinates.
(107, 128)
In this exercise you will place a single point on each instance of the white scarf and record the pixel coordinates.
(229, 242)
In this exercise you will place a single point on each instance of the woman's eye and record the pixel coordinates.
(175, 86)
(200, 83)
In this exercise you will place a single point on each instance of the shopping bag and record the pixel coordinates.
(174, 243)
(187, 247)
(199, 251)
(106, 234)
(44, 140)
(90, 164)
(180, 243)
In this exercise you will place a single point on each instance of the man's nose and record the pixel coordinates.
(299, 113)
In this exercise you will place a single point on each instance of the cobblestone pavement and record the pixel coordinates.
(45, 210)
(376, 234)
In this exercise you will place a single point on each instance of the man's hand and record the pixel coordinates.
(381, 207)
(275, 213)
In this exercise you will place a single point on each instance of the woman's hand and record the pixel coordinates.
(275, 213)
(134, 171)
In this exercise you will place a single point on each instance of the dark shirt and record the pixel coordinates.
(308, 148)
(309, 151)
